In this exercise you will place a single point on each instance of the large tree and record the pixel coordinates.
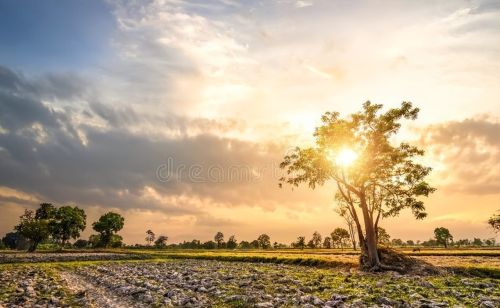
(107, 225)
(67, 222)
(374, 177)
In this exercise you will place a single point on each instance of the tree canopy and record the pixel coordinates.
(443, 236)
(107, 225)
(494, 222)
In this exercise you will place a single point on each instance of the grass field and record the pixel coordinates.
(165, 278)
(475, 261)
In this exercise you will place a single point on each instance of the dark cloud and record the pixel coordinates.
(470, 150)
(45, 153)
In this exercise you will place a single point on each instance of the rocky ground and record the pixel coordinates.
(58, 257)
(199, 283)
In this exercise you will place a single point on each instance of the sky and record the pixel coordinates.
(176, 113)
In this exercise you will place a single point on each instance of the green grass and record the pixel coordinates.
(477, 262)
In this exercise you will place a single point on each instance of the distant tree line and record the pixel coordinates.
(53, 225)
(58, 225)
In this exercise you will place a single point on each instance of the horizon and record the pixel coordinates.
(177, 114)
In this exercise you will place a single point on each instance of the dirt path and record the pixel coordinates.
(93, 295)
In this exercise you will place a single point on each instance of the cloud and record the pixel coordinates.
(45, 152)
(467, 154)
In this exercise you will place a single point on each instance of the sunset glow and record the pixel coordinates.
(177, 114)
(346, 157)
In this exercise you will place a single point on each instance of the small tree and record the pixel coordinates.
(490, 241)
(14, 240)
(343, 211)
(81, 244)
(327, 243)
(339, 237)
(161, 241)
(36, 230)
(410, 243)
(219, 239)
(231, 242)
(382, 236)
(316, 240)
(443, 236)
(300, 243)
(254, 244)
(150, 237)
(463, 242)
(245, 245)
(477, 242)
(494, 222)
(107, 225)
(397, 242)
(264, 241)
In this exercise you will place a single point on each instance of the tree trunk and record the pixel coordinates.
(33, 246)
(369, 249)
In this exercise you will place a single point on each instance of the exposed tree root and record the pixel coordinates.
(392, 260)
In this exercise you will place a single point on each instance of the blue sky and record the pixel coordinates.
(49, 35)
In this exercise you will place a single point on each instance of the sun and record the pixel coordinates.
(346, 157)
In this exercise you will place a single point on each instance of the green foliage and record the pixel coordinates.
(340, 237)
(316, 240)
(45, 211)
(36, 230)
(384, 179)
(494, 222)
(107, 225)
(150, 237)
(81, 243)
(209, 245)
(97, 241)
(264, 241)
(443, 236)
(397, 242)
(219, 239)
(66, 223)
(382, 236)
(327, 243)
(390, 171)
(231, 242)
(244, 245)
(477, 242)
(161, 241)
(14, 240)
(300, 242)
